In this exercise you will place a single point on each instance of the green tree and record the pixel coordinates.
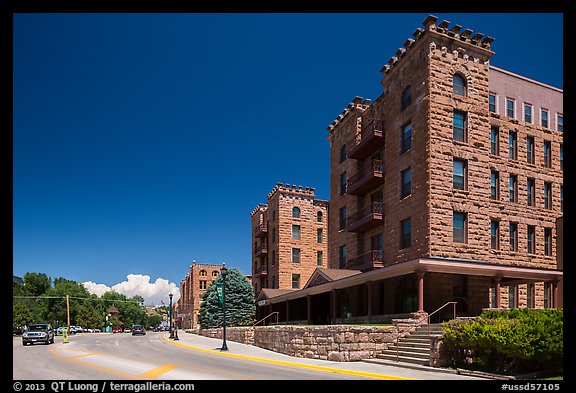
(21, 316)
(240, 305)
(37, 283)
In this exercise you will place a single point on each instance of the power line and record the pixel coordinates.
(76, 297)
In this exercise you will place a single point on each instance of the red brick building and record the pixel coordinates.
(447, 187)
(289, 238)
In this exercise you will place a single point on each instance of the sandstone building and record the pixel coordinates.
(447, 187)
(192, 287)
(289, 238)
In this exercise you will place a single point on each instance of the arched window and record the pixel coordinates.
(202, 273)
(215, 273)
(406, 98)
(296, 212)
(459, 85)
(319, 216)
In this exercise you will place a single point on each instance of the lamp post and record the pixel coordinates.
(170, 317)
(224, 272)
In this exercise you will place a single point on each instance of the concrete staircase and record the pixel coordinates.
(414, 348)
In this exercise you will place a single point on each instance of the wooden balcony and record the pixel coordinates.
(261, 230)
(366, 179)
(367, 261)
(261, 250)
(368, 141)
(369, 217)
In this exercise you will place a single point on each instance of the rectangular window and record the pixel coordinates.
(531, 239)
(513, 236)
(494, 140)
(459, 126)
(406, 183)
(319, 257)
(296, 255)
(560, 122)
(495, 235)
(343, 180)
(530, 153)
(530, 295)
(527, 113)
(548, 242)
(295, 281)
(513, 188)
(459, 168)
(459, 227)
(547, 295)
(273, 257)
(531, 195)
(377, 242)
(493, 297)
(561, 157)
(494, 185)
(510, 104)
(512, 296)
(547, 195)
(561, 198)
(492, 102)
(406, 138)
(342, 257)
(406, 233)
(513, 145)
(547, 154)
(319, 236)
(342, 218)
(544, 117)
(203, 284)
(295, 232)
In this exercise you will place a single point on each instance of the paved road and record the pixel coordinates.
(101, 356)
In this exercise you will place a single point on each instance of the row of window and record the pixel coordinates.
(296, 234)
(513, 295)
(530, 148)
(296, 253)
(530, 190)
(528, 112)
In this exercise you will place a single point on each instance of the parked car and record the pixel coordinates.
(117, 330)
(38, 332)
(138, 329)
(60, 330)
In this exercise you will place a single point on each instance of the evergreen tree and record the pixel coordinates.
(240, 305)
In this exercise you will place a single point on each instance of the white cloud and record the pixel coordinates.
(138, 284)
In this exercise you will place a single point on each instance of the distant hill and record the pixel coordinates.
(18, 280)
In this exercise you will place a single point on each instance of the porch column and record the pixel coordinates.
(497, 284)
(333, 305)
(308, 309)
(369, 283)
(420, 291)
(555, 294)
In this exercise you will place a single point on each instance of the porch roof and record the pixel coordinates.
(507, 274)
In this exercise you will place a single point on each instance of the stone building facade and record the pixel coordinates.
(289, 238)
(445, 188)
(192, 287)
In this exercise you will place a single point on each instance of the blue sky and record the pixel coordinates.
(142, 142)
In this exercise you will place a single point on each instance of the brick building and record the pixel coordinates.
(446, 188)
(192, 287)
(289, 238)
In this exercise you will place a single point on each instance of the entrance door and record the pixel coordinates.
(460, 294)
(407, 298)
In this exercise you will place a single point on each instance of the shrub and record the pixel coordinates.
(517, 340)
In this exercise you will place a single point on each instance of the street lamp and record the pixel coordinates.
(224, 272)
(170, 317)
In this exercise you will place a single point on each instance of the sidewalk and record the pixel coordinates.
(194, 342)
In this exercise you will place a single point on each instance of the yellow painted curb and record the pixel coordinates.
(285, 363)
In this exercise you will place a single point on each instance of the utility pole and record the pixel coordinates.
(68, 311)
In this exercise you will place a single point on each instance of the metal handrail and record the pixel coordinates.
(419, 323)
(267, 316)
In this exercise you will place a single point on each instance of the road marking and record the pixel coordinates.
(105, 370)
(84, 355)
(156, 372)
(290, 364)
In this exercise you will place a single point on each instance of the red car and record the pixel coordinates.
(117, 330)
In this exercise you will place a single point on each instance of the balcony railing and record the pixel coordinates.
(366, 179)
(262, 230)
(261, 271)
(369, 217)
(370, 139)
(261, 250)
(367, 261)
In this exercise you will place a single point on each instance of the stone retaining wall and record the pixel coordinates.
(341, 343)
